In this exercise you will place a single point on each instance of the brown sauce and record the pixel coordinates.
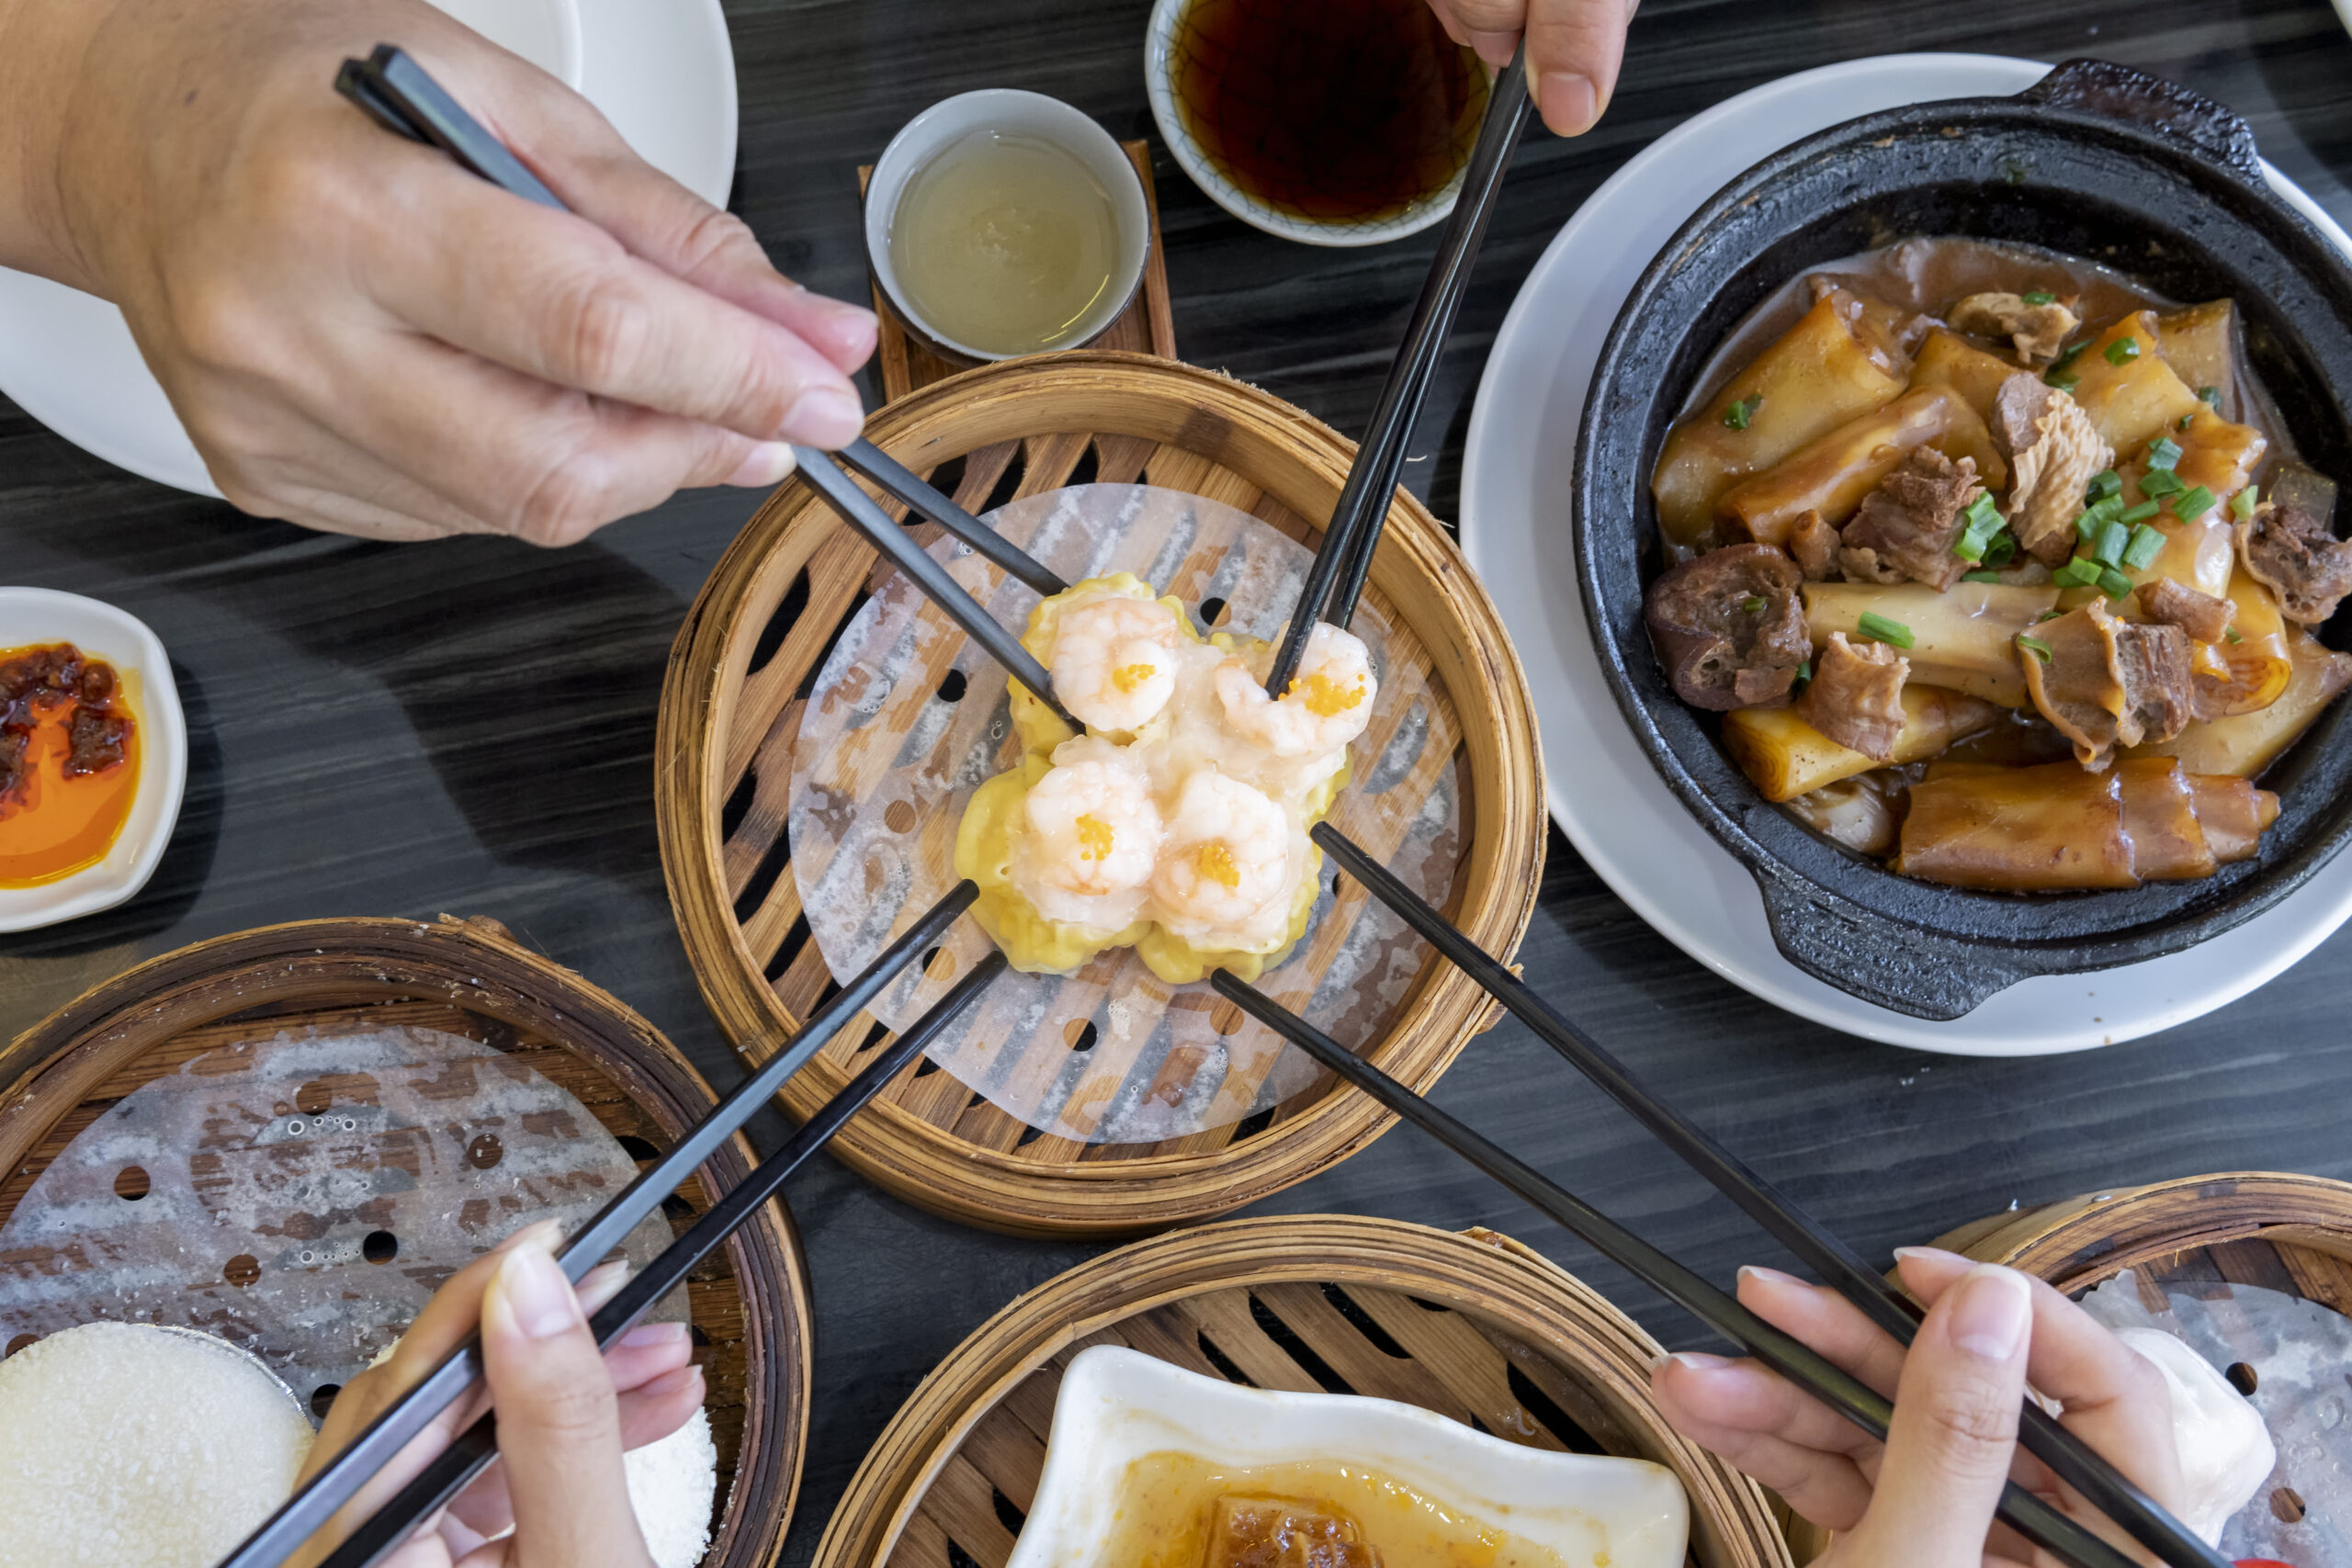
(68, 762)
(1335, 111)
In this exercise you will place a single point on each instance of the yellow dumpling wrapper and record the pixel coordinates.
(984, 854)
(1179, 963)
(1039, 729)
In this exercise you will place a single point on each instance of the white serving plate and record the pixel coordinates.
(1600, 786)
(1117, 1405)
(30, 616)
(662, 73)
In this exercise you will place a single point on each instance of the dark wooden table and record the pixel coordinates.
(467, 727)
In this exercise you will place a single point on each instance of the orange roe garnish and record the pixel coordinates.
(1325, 696)
(1127, 677)
(1214, 861)
(1094, 839)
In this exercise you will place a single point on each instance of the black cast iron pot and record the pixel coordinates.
(2095, 160)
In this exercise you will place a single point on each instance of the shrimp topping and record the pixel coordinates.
(1114, 661)
(1093, 834)
(1326, 705)
(1223, 873)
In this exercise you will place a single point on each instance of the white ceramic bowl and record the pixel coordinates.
(1116, 1406)
(950, 120)
(544, 32)
(1159, 81)
(32, 616)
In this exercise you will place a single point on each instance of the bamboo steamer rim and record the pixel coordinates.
(2079, 1242)
(1291, 458)
(476, 966)
(1480, 1272)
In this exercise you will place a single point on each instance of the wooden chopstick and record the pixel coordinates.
(471, 1453)
(1791, 1358)
(317, 1502)
(1343, 561)
(2068, 1457)
(904, 485)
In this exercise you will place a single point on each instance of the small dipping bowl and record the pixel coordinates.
(34, 616)
(1010, 112)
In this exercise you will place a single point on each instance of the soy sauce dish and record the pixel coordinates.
(2098, 168)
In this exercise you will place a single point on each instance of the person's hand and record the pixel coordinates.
(1926, 1498)
(360, 335)
(564, 1417)
(1574, 48)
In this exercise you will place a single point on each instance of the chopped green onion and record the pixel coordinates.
(1739, 413)
(2080, 572)
(2191, 504)
(1980, 577)
(2210, 396)
(1752, 604)
(2039, 297)
(2123, 351)
(2034, 645)
(2067, 356)
(2048, 615)
(2242, 505)
(2164, 452)
(2002, 551)
(2182, 422)
(1878, 629)
(2146, 544)
(2113, 583)
(1983, 522)
(2112, 537)
(1983, 512)
(2064, 383)
(2097, 516)
(2161, 481)
(2233, 634)
(2105, 483)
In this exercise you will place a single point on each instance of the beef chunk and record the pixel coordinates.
(2203, 616)
(13, 744)
(2053, 450)
(1906, 527)
(2108, 682)
(1814, 543)
(95, 741)
(1729, 627)
(2036, 331)
(1856, 696)
(2290, 545)
(1284, 1533)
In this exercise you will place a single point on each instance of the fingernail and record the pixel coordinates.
(601, 1284)
(537, 1295)
(653, 1336)
(542, 1235)
(1568, 101)
(1928, 1254)
(1495, 48)
(766, 466)
(1990, 1312)
(1764, 1276)
(1700, 1362)
(825, 416)
(669, 1382)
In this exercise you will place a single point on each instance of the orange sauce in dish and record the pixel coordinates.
(69, 762)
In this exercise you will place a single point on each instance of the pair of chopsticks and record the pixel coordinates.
(315, 1505)
(389, 81)
(1343, 561)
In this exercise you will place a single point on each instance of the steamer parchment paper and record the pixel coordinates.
(302, 1196)
(908, 717)
(2300, 1353)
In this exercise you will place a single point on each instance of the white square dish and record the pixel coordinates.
(1117, 1405)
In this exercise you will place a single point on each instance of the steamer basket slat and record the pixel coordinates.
(747, 659)
(748, 1305)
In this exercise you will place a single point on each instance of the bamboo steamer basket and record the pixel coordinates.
(748, 1305)
(1473, 1326)
(747, 655)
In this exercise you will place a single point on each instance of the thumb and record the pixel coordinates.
(1955, 1427)
(559, 1422)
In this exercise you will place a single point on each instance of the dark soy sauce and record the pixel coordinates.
(1337, 112)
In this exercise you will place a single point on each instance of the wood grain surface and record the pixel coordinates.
(400, 730)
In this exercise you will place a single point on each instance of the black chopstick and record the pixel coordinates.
(1343, 561)
(860, 511)
(402, 97)
(1791, 1358)
(471, 1453)
(311, 1508)
(905, 485)
(2068, 1457)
